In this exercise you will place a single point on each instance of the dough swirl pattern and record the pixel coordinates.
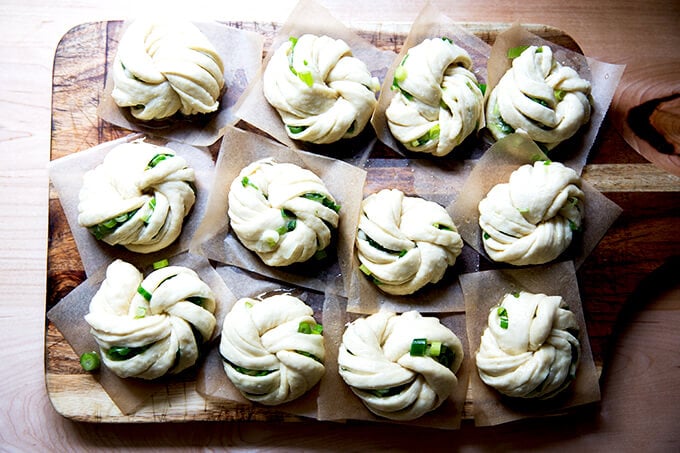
(322, 92)
(149, 327)
(539, 97)
(438, 102)
(532, 218)
(530, 348)
(162, 68)
(376, 359)
(404, 243)
(272, 349)
(137, 197)
(282, 212)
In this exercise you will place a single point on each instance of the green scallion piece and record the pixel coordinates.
(515, 52)
(245, 182)
(160, 264)
(559, 94)
(155, 160)
(248, 371)
(309, 354)
(485, 235)
(296, 129)
(319, 198)
(434, 349)
(119, 353)
(400, 74)
(90, 361)
(145, 294)
(447, 39)
(309, 328)
(418, 347)
(503, 316)
(482, 88)
(306, 77)
(439, 226)
(140, 312)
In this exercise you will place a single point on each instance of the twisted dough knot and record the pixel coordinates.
(137, 197)
(146, 329)
(321, 91)
(531, 219)
(165, 67)
(539, 97)
(282, 212)
(529, 349)
(404, 242)
(375, 359)
(272, 349)
(438, 101)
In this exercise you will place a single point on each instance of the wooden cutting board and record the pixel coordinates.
(640, 241)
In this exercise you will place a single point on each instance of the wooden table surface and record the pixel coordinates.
(641, 386)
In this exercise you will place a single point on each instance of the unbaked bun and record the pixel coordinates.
(137, 197)
(282, 212)
(149, 327)
(166, 67)
(532, 218)
(401, 366)
(437, 103)
(530, 348)
(539, 97)
(404, 243)
(272, 349)
(322, 92)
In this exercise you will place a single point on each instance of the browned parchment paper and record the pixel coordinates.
(336, 400)
(131, 394)
(604, 78)
(216, 241)
(241, 53)
(67, 173)
(309, 17)
(431, 23)
(212, 381)
(483, 291)
(495, 167)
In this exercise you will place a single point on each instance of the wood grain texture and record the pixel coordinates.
(79, 73)
(641, 391)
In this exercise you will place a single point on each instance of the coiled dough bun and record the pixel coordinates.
(530, 348)
(438, 103)
(404, 243)
(146, 328)
(166, 67)
(322, 92)
(272, 349)
(532, 218)
(282, 212)
(375, 359)
(137, 197)
(540, 97)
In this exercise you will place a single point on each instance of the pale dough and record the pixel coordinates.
(532, 218)
(150, 338)
(265, 355)
(539, 97)
(282, 212)
(322, 92)
(437, 102)
(530, 348)
(166, 67)
(404, 243)
(374, 359)
(137, 197)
